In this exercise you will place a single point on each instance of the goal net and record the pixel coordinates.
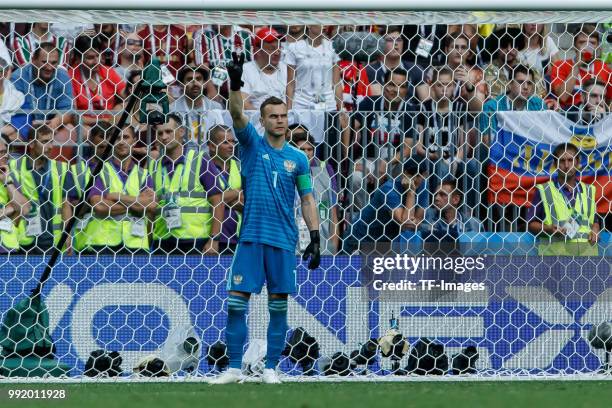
(460, 163)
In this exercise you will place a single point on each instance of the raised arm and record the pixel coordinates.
(236, 102)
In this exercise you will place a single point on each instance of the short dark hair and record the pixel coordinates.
(84, 43)
(43, 129)
(132, 75)
(101, 129)
(294, 126)
(592, 82)
(305, 137)
(272, 100)
(397, 71)
(180, 77)
(394, 29)
(212, 132)
(175, 117)
(437, 72)
(452, 182)
(47, 46)
(520, 69)
(564, 147)
(452, 37)
(589, 30)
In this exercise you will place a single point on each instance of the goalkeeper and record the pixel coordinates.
(271, 171)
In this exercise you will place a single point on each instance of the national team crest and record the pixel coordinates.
(289, 165)
(237, 279)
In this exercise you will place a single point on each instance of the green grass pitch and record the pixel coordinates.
(495, 394)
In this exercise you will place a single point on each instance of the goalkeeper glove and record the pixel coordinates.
(313, 250)
(234, 70)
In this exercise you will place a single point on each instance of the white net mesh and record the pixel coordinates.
(434, 139)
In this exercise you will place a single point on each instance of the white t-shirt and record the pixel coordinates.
(202, 118)
(313, 74)
(534, 58)
(5, 54)
(261, 86)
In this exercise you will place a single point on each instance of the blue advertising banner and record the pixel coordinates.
(533, 314)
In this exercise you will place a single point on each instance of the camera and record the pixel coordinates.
(154, 105)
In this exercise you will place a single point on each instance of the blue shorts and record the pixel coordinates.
(255, 264)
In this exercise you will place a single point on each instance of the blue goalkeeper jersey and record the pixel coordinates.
(269, 178)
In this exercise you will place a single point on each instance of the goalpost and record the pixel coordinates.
(534, 316)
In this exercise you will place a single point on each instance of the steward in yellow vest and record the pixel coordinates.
(79, 176)
(564, 210)
(190, 211)
(123, 202)
(42, 184)
(221, 145)
(12, 205)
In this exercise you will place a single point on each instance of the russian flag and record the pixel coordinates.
(521, 155)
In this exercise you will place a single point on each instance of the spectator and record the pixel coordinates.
(96, 86)
(186, 183)
(296, 128)
(593, 106)
(10, 100)
(504, 45)
(325, 190)
(77, 180)
(468, 78)
(392, 60)
(388, 116)
(396, 206)
(24, 46)
(5, 54)
(313, 74)
(539, 49)
(221, 144)
(473, 33)
(567, 76)
(266, 75)
(130, 57)
(213, 48)
(194, 106)
(442, 129)
(518, 96)
(13, 205)
(46, 88)
(122, 201)
(366, 176)
(110, 38)
(444, 222)
(42, 182)
(424, 43)
(505, 58)
(563, 211)
(169, 43)
(355, 83)
(294, 34)
(354, 76)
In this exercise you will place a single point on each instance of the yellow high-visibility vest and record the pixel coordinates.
(557, 212)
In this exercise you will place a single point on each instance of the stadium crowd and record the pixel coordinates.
(398, 140)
